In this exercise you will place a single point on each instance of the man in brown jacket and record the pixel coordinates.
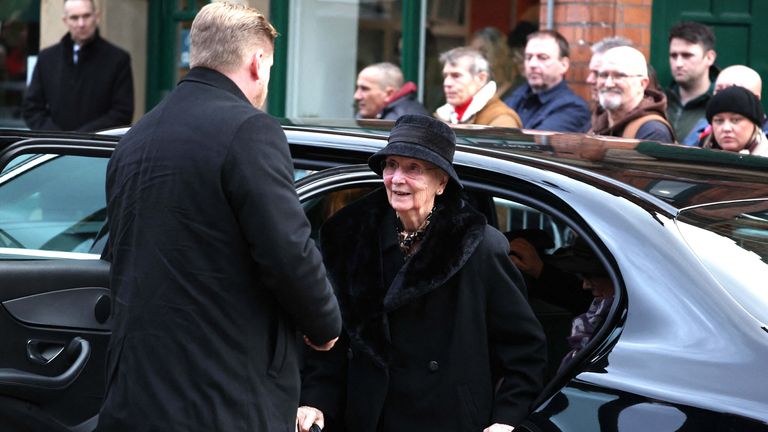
(470, 93)
(632, 109)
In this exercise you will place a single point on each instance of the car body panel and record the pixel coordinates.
(685, 342)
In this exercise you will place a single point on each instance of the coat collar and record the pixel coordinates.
(447, 113)
(352, 243)
(215, 79)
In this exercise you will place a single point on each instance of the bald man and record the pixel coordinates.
(631, 108)
(381, 94)
(736, 75)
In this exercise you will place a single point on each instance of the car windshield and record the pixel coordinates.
(731, 239)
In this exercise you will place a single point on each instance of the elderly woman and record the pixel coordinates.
(736, 117)
(438, 334)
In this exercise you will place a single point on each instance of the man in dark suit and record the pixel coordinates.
(82, 83)
(213, 270)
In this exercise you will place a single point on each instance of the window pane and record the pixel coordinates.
(53, 202)
(19, 39)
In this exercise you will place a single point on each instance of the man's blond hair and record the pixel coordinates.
(222, 33)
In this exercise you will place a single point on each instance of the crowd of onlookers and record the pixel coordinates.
(703, 107)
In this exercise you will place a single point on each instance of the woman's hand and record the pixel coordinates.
(498, 427)
(306, 416)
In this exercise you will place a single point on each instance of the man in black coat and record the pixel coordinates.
(381, 94)
(213, 270)
(82, 83)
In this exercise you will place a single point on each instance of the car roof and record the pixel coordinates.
(680, 176)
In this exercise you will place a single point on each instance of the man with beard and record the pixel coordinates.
(692, 63)
(632, 109)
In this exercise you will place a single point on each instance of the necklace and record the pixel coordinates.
(407, 239)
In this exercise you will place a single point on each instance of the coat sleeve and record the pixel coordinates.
(258, 179)
(324, 382)
(516, 338)
(120, 111)
(35, 109)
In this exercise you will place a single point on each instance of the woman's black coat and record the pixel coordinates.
(212, 269)
(451, 345)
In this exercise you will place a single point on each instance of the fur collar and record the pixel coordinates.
(447, 113)
(352, 242)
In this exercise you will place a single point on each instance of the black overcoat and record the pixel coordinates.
(94, 94)
(212, 268)
(451, 345)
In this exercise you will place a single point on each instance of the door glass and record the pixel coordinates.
(52, 202)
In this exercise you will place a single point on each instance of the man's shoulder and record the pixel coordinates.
(564, 96)
(111, 48)
(50, 51)
(656, 130)
(518, 95)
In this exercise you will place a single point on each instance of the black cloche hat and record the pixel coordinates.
(420, 137)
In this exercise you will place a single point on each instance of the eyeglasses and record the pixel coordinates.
(616, 76)
(412, 170)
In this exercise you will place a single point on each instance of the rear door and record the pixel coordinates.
(54, 291)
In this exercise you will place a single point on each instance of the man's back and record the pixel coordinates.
(201, 269)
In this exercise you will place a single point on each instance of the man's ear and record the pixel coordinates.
(255, 66)
(389, 92)
(483, 77)
(711, 56)
(566, 62)
(644, 81)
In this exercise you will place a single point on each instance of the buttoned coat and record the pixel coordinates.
(93, 94)
(212, 269)
(450, 345)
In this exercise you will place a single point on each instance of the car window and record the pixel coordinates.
(732, 236)
(52, 202)
(56, 203)
(514, 216)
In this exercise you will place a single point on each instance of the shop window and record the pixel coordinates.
(19, 39)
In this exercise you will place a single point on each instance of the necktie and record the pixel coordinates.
(75, 52)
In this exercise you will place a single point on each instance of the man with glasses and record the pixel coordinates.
(631, 108)
(82, 83)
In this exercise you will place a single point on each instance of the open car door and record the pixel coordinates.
(54, 290)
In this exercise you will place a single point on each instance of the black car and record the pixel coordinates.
(682, 231)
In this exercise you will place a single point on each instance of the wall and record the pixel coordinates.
(123, 23)
(585, 22)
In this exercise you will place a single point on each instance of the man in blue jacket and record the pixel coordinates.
(546, 102)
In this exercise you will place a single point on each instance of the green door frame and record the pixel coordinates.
(279, 11)
(161, 47)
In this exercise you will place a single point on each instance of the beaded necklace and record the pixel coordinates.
(407, 239)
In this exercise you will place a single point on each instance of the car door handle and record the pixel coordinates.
(78, 348)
